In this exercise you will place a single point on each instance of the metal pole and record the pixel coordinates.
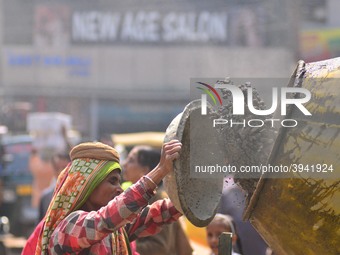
(225, 245)
(2, 46)
(94, 118)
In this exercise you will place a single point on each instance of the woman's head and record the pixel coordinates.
(107, 190)
(140, 161)
(89, 182)
(101, 162)
(221, 223)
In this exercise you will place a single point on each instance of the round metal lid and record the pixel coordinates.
(195, 195)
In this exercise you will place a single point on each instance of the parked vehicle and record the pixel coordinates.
(16, 181)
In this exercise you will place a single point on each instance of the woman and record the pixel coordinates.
(90, 213)
(171, 240)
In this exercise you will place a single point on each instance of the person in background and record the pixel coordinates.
(172, 239)
(233, 202)
(90, 213)
(42, 172)
(221, 223)
(59, 162)
(42, 168)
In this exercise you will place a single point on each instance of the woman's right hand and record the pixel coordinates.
(170, 152)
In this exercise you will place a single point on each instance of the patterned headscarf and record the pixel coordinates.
(91, 163)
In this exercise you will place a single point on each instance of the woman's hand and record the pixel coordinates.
(170, 152)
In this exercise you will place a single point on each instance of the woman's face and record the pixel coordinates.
(108, 189)
(132, 169)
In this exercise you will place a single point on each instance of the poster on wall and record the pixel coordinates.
(51, 26)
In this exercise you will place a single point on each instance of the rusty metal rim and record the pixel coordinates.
(295, 81)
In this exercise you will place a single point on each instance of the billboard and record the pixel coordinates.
(63, 23)
(110, 44)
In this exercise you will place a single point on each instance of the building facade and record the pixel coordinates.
(125, 67)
